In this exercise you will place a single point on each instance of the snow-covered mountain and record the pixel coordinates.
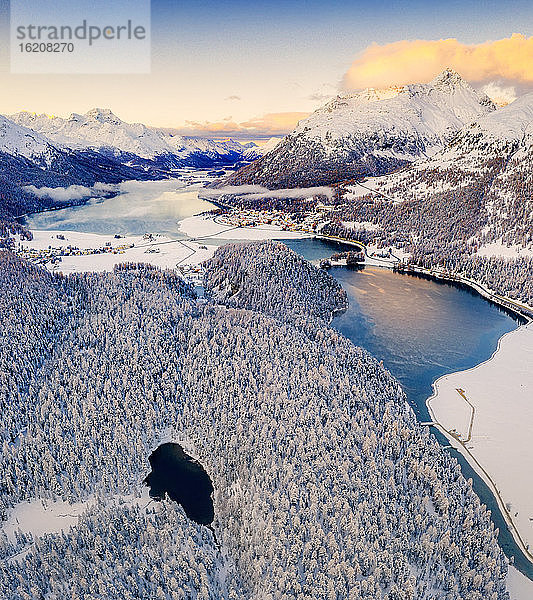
(474, 196)
(369, 132)
(23, 142)
(101, 130)
(28, 157)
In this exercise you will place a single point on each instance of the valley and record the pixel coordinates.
(356, 432)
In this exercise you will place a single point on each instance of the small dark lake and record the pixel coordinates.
(185, 481)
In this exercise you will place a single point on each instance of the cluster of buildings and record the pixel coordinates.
(53, 255)
(287, 222)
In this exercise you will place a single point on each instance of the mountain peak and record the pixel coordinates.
(448, 77)
(103, 115)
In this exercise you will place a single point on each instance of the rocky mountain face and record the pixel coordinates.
(369, 133)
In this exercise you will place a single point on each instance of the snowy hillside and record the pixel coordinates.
(325, 486)
(21, 141)
(100, 129)
(429, 113)
(254, 151)
(368, 133)
(513, 122)
(478, 190)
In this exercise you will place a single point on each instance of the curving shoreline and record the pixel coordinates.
(461, 447)
(521, 310)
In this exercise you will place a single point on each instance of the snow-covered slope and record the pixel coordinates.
(513, 122)
(254, 151)
(427, 113)
(370, 132)
(476, 193)
(97, 129)
(23, 142)
(100, 129)
(28, 157)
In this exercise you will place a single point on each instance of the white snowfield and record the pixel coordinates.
(158, 250)
(518, 585)
(492, 404)
(200, 226)
(511, 122)
(40, 516)
(499, 249)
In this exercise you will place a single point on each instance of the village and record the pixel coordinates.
(54, 254)
(239, 217)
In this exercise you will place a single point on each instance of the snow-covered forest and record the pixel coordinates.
(231, 278)
(325, 485)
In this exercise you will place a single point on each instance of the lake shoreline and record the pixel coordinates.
(486, 473)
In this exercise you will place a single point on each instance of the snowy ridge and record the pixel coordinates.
(370, 133)
(431, 112)
(101, 129)
(513, 122)
(21, 141)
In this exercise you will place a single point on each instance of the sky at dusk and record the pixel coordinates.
(243, 68)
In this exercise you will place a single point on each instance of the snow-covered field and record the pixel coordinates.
(159, 250)
(518, 585)
(499, 249)
(361, 225)
(38, 517)
(500, 391)
(42, 516)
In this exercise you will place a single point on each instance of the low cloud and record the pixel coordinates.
(72, 192)
(268, 125)
(500, 94)
(80, 192)
(410, 61)
(257, 192)
(233, 98)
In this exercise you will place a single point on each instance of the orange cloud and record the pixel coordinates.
(271, 124)
(282, 122)
(415, 61)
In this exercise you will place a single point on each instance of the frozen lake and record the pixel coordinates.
(141, 207)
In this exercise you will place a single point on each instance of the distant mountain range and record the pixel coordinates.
(139, 145)
(369, 133)
(49, 151)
